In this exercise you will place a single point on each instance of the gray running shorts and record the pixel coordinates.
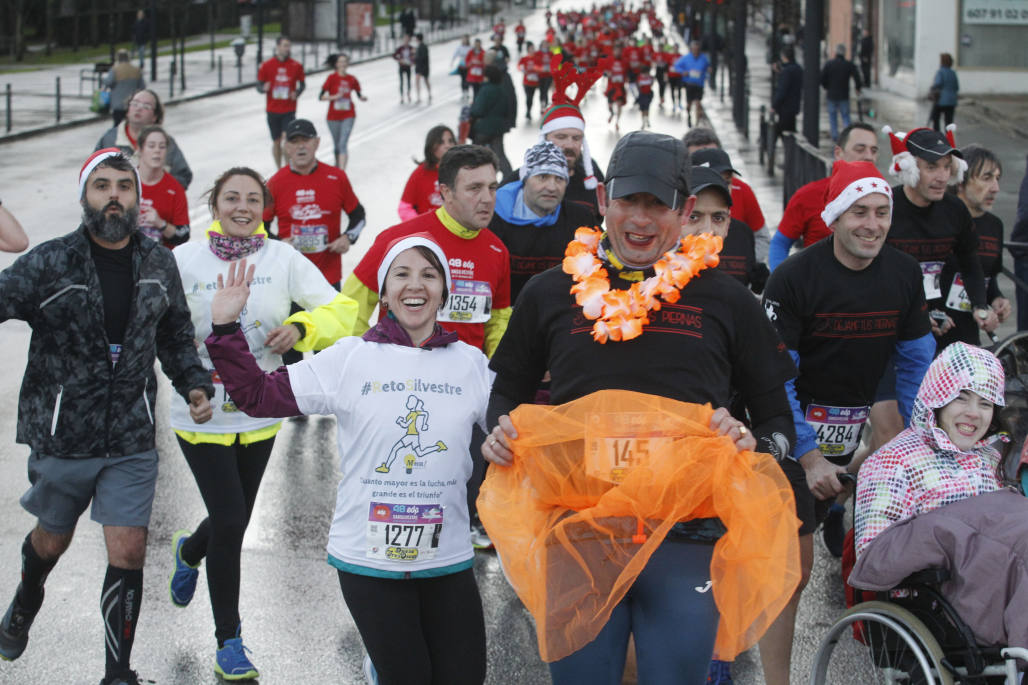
(121, 489)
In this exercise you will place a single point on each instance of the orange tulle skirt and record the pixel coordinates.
(596, 485)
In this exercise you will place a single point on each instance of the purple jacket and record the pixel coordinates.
(270, 395)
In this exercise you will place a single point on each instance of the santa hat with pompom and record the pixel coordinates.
(564, 111)
(929, 145)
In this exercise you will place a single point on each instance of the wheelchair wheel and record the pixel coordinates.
(894, 647)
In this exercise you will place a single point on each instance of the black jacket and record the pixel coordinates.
(73, 402)
(835, 78)
(788, 90)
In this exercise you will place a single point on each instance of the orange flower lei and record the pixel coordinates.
(621, 314)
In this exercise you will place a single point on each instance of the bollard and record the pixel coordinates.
(58, 92)
(219, 72)
(7, 97)
(303, 55)
(171, 79)
(239, 70)
(315, 53)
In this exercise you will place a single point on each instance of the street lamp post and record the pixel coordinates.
(153, 40)
(812, 29)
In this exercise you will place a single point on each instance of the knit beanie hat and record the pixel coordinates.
(544, 158)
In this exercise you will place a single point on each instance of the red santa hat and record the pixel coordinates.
(98, 158)
(564, 111)
(849, 182)
(929, 145)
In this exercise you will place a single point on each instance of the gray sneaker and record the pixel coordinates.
(14, 630)
(126, 678)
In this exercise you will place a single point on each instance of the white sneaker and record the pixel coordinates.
(479, 538)
(369, 671)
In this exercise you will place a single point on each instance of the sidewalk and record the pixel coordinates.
(999, 123)
(34, 109)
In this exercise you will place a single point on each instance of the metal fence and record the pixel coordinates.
(802, 164)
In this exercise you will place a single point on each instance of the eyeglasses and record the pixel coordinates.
(141, 105)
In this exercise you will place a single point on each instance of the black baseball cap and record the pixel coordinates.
(301, 127)
(648, 162)
(702, 177)
(715, 158)
(930, 145)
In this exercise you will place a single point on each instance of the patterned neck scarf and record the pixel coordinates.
(230, 249)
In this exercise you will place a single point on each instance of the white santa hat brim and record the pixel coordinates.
(406, 243)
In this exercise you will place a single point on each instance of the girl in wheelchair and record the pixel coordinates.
(937, 496)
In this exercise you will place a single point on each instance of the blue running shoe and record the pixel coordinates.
(182, 583)
(370, 674)
(719, 673)
(232, 662)
(14, 630)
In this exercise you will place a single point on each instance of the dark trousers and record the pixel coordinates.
(946, 111)
(529, 97)
(437, 622)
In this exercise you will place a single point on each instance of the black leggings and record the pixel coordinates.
(945, 111)
(529, 97)
(228, 477)
(422, 631)
(404, 74)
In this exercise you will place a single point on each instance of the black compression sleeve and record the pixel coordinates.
(498, 406)
(356, 225)
(772, 422)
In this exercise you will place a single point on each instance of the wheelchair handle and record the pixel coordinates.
(847, 479)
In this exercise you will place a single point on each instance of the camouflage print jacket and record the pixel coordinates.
(74, 403)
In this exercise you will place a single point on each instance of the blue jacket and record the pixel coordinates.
(687, 64)
(946, 80)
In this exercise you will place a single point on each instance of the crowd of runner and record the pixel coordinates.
(646, 300)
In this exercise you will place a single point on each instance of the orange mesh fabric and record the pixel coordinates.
(596, 485)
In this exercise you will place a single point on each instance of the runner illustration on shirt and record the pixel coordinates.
(415, 421)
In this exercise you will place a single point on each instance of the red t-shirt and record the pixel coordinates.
(308, 209)
(519, 30)
(282, 79)
(745, 207)
(802, 218)
(542, 63)
(669, 59)
(168, 198)
(527, 64)
(475, 63)
(633, 57)
(645, 83)
(345, 87)
(616, 73)
(479, 269)
(422, 189)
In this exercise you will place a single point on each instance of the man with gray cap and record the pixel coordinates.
(835, 79)
(712, 341)
(533, 217)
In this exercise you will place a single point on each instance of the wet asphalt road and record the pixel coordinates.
(294, 618)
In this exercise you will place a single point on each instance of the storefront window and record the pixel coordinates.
(897, 53)
(992, 33)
